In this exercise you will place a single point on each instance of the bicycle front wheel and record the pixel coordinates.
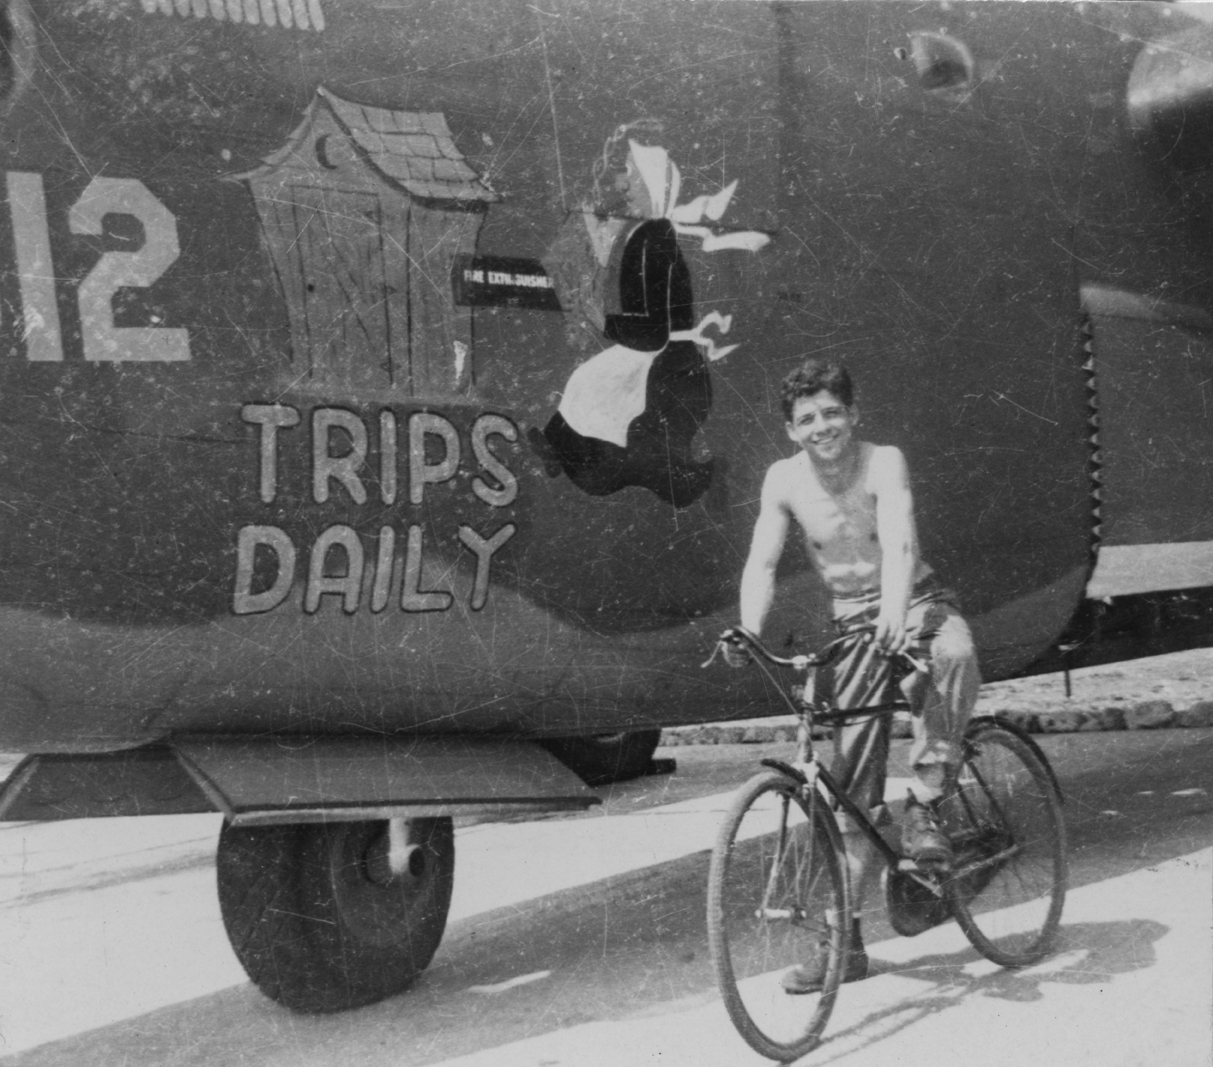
(778, 897)
(1005, 822)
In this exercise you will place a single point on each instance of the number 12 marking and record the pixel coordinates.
(103, 341)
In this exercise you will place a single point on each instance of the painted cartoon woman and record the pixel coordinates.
(628, 415)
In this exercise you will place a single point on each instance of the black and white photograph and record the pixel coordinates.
(606, 533)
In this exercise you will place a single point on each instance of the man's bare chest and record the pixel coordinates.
(828, 516)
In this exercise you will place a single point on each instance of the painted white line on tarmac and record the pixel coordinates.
(41, 859)
(507, 859)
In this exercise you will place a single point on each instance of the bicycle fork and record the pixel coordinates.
(765, 911)
(804, 775)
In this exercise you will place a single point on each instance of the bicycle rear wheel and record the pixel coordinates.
(1004, 819)
(778, 896)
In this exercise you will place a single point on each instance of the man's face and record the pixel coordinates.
(822, 425)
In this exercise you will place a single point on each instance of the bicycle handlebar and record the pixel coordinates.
(739, 635)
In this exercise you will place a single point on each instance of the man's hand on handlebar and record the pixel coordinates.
(890, 635)
(894, 642)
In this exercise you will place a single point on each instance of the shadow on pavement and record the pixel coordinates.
(1085, 954)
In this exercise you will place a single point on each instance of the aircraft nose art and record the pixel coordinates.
(301, 387)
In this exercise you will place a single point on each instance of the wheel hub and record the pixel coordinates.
(390, 856)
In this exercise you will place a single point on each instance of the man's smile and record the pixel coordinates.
(822, 425)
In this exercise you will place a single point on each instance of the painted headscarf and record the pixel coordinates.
(659, 174)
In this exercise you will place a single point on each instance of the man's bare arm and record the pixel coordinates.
(898, 537)
(770, 533)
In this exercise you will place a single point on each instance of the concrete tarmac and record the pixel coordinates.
(581, 941)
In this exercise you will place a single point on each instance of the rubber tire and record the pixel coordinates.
(837, 873)
(311, 926)
(606, 758)
(1050, 845)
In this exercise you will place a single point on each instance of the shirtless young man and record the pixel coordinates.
(852, 500)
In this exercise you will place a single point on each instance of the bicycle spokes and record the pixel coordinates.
(1003, 817)
(777, 898)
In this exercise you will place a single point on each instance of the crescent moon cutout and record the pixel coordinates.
(321, 155)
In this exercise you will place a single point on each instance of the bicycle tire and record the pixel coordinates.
(1004, 818)
(807, 878)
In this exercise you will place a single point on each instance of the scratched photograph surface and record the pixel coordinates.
(461, 459)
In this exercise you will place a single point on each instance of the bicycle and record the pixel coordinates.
(779, 885)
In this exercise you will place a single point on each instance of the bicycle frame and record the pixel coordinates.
(861, 818)
(809, 714)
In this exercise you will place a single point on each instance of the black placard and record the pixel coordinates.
(502, 281)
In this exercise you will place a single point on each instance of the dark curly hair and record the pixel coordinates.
(815, 376)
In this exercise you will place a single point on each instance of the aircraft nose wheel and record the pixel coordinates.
(330, 916)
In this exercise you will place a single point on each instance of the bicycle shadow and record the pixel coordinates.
(1084, 954)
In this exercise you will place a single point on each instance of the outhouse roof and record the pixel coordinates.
(413, 149)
